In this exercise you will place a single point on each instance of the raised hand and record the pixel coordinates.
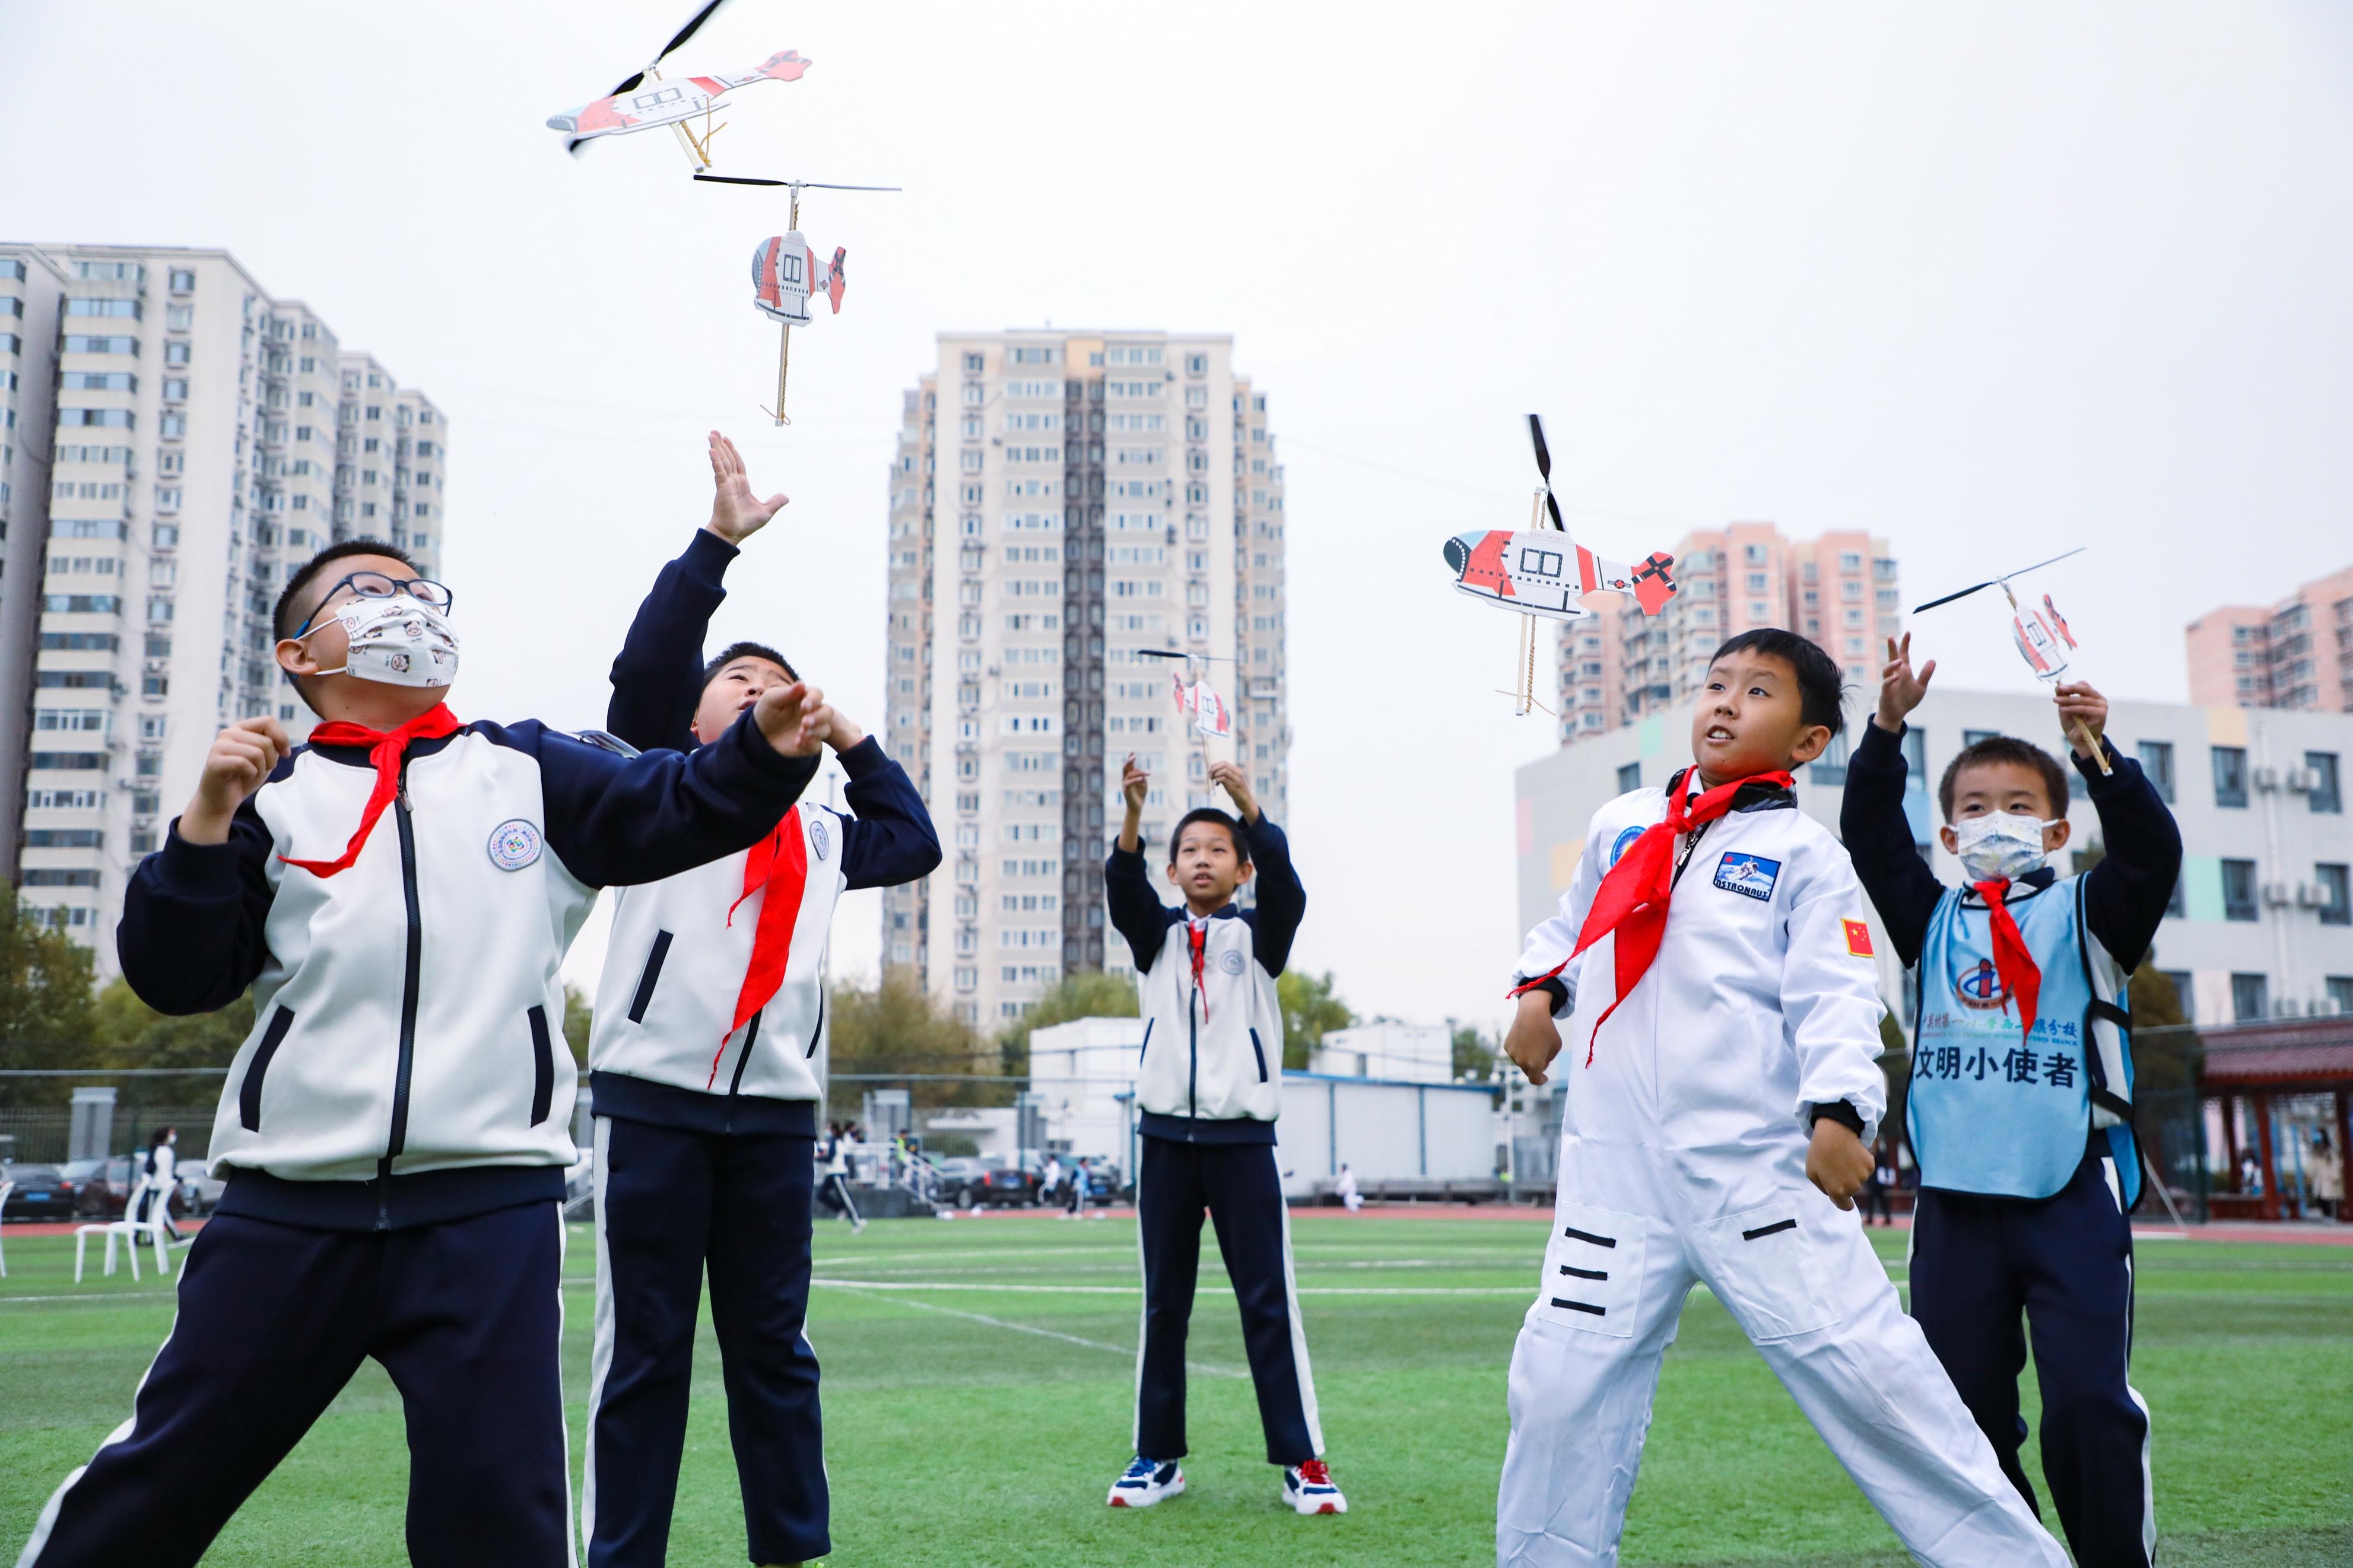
(1134, 784)
(1900, 690)
(736, 513)
(1237, 784)
(841, 731)
(2083, 716)
(241, 757)
(794, 718)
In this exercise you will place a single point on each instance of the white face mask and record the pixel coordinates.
(397, 641)
(1999, 843)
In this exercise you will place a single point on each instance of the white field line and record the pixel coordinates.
(997, 1289)
(1203, 1367)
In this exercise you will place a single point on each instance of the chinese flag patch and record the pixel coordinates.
(1858, 938)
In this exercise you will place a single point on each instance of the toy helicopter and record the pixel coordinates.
(2042, 637)
(633, 106)
(785, 272)
(1540, 571)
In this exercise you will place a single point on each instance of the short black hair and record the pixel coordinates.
(284, 620)
(1993, 752)
(1821, 693)
(1209, 813)
(736, 650)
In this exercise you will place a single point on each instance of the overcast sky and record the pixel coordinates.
(1987, 279)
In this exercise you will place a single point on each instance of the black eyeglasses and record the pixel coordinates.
(376, 586)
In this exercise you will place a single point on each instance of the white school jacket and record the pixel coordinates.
(1213, 1054)
(675, 965)
(1762, 1003)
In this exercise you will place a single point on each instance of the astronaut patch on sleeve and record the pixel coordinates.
(1752, 876)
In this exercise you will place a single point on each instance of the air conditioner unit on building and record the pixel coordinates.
(2312, 896)
(2267, 778)
(2277, 894)
(2289, 1007)
(2326, 1007)
(2303, 781)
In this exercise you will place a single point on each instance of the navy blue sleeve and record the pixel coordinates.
(616, 821)
(1878, 839)
(2125, 895)
(890, 840)
(1281, 901)
(1136, 910)
(192, 937)
(657, 679)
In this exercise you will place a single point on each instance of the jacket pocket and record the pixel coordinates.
(248, 1094)
(542, 1065)
(816, 1034)
(1766, 1269)
(647, 980)
(1258, 1051)
(1593, 1266)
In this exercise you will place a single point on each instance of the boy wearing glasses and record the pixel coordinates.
(704, 1087)
(399, 893)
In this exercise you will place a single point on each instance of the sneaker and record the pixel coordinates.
(1308, 1488)
(1145, 1482)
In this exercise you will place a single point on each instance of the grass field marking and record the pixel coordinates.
(1006, 1290)
(1128, 1351)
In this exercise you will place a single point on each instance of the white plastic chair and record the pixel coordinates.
(5, 1188)
(130, 1231)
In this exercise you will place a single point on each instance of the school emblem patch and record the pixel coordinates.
(1981, 986)
(1622, 843)
(818, 837)
(514, 844)
(1751, 876)
(1232, 961)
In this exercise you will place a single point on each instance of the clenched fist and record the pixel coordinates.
(241, 758)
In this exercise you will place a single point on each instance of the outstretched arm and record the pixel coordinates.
(1872, 823)
(2125, 895)
(890, 840)
(1136, 911)
(657, 679)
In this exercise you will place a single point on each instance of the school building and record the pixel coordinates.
(2262, 924)
(174, 441)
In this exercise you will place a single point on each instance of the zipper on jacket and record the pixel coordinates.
(398, 1137)
(1192, 1067)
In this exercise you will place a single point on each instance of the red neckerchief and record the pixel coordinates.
(780, 864)
(2021, 975)
(1196, 937)
(385, 748)
(1634, 897)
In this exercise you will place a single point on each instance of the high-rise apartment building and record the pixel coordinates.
(1619, 666)
(1061, 501)
(2297, 654)
(178, 442)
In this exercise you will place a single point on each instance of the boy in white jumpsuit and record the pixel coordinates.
(1724, 1022)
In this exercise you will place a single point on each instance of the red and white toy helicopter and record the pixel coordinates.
(635, 105)
(785, 272)
(2042, 637)
(1540, 571)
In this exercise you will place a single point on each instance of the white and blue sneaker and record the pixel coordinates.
(1307, 1489)
(1145, 1482)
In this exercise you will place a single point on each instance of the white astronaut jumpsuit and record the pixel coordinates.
(1682, 1161)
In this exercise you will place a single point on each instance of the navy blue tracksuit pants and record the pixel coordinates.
(669, 1204)
(2066, 1263)
(273, 1321)
(1243, 1190)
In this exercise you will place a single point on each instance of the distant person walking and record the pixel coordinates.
(1079, 1181)
(2326, 1175)
(158, 1178)
(833, 1155)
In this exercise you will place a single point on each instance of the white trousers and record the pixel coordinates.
(1635, 1227)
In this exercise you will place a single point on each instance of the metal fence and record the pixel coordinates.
(40, 1134)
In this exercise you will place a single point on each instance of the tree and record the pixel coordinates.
(897, 1028)
(45, 1002)
(1309, 1011)
(1084, 993)
(577, 1018)
(1475, 1054)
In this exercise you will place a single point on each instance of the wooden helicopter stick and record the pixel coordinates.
(1524, 660)
(785, 346)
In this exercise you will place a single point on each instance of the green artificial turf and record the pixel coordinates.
(983, 1424)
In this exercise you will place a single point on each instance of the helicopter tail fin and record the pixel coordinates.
(1651, 582)
(785, 65)
(834, 281)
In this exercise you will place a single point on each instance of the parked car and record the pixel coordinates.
(957, 1180)
(200, 1190)
(102, 1188)
(42, 1191)
(1009, 1184)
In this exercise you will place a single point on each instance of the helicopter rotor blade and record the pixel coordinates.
(1543, 453)
(1997, 582)
(795, 184)
(678, 38)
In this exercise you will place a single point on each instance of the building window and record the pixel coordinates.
(2230, 775)
(2177, 905)
(2336, 896)
(1830, 768)
(2339, 989)
(183, 281)
(1971, 737)
(1629, 778)
(2156, 765)
(2239, 890)
(2328, 791)
(2251, 998)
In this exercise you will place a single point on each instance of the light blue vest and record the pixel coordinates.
(1990, 1112)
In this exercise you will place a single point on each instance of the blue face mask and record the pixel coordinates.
(1999, 843)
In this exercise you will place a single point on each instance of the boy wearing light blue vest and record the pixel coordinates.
(2020, 1110)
